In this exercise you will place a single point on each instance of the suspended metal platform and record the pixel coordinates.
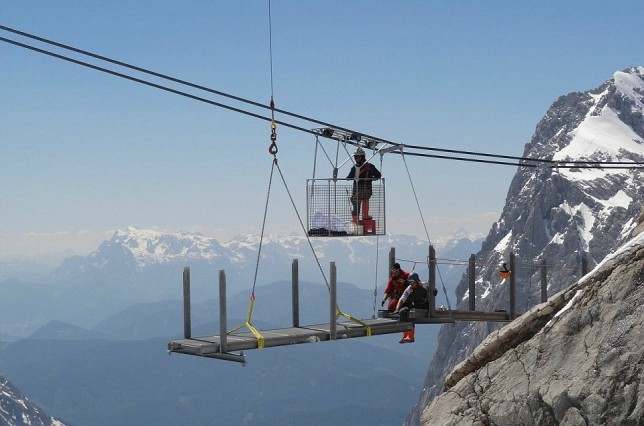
(442, 316)
(211, 346)
(222, 346)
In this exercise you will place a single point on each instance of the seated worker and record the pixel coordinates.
(395, 287)
(414, 296)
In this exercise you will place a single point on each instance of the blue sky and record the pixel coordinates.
(84, 153)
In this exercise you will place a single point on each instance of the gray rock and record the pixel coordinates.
(576, 360)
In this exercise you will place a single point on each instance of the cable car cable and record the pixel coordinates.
(561, 164)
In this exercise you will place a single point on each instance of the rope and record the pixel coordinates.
(299, 218)
(317, 260)
(459, 262)
(339, 313)
(272, 149)
(315, 155)
(402, 155)
(335, 169)
(270, 45)
(440, 276)
(261, 238)
(248, 324)
(521, 160)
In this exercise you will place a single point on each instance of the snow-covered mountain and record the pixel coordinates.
(143, 266)
(16, 409)
(560, 215)
(133, 253)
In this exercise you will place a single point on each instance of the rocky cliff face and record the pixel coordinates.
(564, 213)
(577, 359)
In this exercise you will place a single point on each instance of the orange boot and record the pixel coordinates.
(365, 210)
(410, 336)
(405, 337)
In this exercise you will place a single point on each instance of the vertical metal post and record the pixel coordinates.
(513, 291)
(333, 302)
(335, 197)
(187, 328)
(471, 273)
(432, 281)
(223, 327)
(384, 210)
(295, 293)
(544, 281)
(392, 259)
(584, 263)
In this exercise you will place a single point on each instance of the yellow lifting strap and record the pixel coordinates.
(338, 312)
(251, 328)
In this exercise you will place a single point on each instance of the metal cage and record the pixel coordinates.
(336, 207)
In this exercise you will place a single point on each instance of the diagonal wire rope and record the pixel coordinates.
(261, 238)
(157, 74)
(416, 197)
(299, 218)
(532, 162)
(402, 154)
(158, 86)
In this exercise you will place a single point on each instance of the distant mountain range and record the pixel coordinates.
(102, 322)
(140, 266)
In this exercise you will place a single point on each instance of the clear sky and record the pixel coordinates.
(83, 153)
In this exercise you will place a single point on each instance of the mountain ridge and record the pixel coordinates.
(142, 266)
(563, 215)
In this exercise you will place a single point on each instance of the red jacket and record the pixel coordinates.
(396, 286)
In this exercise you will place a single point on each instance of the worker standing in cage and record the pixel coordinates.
(363, 173)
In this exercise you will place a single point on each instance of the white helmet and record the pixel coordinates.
(359, 152)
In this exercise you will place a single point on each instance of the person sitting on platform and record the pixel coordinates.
(362, 174)
(395, 287)
(414, 296)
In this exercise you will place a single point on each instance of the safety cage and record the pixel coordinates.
(345, 207)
